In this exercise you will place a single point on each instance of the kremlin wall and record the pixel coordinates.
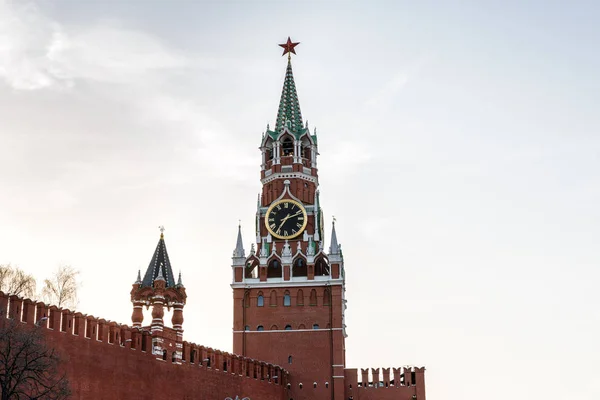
(107, 360)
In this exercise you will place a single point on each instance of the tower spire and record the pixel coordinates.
(334, 247)
(289, 108)
(239, 246)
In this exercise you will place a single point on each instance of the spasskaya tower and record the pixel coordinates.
(289, 291)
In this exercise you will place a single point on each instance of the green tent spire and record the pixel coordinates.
(289, 107)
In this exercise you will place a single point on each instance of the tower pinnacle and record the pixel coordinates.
(159, 265)
(334, 247)
(239, 246)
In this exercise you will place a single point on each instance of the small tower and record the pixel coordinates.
(159, 289)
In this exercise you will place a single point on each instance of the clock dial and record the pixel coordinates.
(286, 219)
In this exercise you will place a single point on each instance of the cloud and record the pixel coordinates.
(37, 52)
(25, 39)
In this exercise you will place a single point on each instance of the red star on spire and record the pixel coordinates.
(288, 47)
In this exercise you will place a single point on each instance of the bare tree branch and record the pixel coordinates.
(28, 367)
(61, 288)
(14, 280)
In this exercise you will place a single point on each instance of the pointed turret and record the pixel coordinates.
(289, 106)
(138, 281)
(334, 248)
(239, 255)
(239, 246)
(159, 264)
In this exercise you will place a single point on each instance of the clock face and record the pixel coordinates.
(286, 219)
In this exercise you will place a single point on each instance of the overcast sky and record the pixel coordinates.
(459, 151)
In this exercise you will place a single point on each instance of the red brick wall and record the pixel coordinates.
(111, 369)
(313, 352)
(98, 370)
(382, 387)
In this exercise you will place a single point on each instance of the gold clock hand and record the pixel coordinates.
(283, 222)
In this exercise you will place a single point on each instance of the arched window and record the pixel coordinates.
(299, 268)
(321, 267)
(260, 328)
(274, 269)
(288, 327)
(313, 298)
(247, 328)
(306, 152)
(193, 356)
(315, 326)
(327, 297)
(164, 355)
(260, 300)
(289, 359)
(300, 298)
(287, 147)
(287, 300)
(250, 271)
(247, 300)
(274, 327)
(273, 299)
(174, 356)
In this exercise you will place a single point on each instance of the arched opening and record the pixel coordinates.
(313, 298)
(174, 357)
(274, 269)
(300, 298)
(315, 326)
(164, 355)
(288, 327)
(289, 359)
(327, 297)
(306, 153)
(321, 267)
(247, 328)
(274, 327)
(250, 270)
(260, 300)
(287, 300)
(260, 328)
(273, 299)
(193, 356)
(299, 268)
(287, 147)
(247, 300)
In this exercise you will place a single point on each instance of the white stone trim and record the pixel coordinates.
(282, 284)
(292, 330)
(289, 175)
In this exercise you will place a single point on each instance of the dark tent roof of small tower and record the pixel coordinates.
(160, 259)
